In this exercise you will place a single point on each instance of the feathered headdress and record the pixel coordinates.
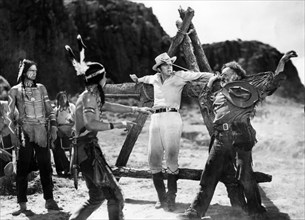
(80, 66)
(92, 71)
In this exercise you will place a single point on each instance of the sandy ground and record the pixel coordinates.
(279, 152)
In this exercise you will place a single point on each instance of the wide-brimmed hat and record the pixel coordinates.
(240, 93)
(163, 58)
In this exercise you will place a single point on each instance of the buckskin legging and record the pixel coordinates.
(164, 138)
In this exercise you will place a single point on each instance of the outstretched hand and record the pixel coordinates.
(127, 125)
(289, 55)
(145, 110)
(134, 77)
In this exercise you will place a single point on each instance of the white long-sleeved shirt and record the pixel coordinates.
(168, 93)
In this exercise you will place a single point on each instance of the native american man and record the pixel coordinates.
(87, 153)
(31, 134)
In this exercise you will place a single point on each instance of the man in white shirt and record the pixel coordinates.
(166, 124)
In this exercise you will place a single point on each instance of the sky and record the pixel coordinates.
(277, 23)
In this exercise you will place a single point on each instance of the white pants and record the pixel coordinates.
(164, 137)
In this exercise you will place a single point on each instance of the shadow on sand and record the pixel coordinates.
(221, 212)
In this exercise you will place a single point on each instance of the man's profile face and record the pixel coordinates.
(228, 75)
(31, 73)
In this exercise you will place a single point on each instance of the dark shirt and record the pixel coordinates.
(226, 112)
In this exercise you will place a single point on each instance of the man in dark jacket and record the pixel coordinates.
(234, 136)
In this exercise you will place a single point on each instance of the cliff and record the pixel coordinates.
(124, 36)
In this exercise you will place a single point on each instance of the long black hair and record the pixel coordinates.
(59, 96)
(26, 65)
(94, 74)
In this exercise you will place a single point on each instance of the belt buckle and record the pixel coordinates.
(171, 109)
(225, 126)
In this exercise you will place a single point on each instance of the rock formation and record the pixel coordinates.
(124, 36)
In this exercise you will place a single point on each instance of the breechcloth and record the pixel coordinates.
(99, 179)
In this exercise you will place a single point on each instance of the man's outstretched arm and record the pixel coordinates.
(287, 56)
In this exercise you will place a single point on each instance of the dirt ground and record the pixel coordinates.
(280, 152)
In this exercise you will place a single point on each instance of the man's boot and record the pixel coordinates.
(23, 209)
(172, 190)
(255, 207)
(160, 188)
(52, 205)
(85, 210)
(189, 214)
(114, 210)
(199, 205)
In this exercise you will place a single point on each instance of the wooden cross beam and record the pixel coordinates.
(146, 95)
(196, 60)
(184, 173)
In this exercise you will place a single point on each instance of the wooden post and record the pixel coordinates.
(202, 60)
(132, 137)
(188, 50)
(189, 14)
(192, 63)
(146, 99)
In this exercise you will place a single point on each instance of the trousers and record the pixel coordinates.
(164, 140)
(61, 161)
(29, 157)
(217, 165)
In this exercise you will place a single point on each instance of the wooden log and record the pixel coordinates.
(202, 60)
(194, 87)
(188, 51)
(125, 88)
(132, 137)
(145, 91)
(133, 90)
(184, 173)
(189, 14)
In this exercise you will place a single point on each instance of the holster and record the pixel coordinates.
(243, 135)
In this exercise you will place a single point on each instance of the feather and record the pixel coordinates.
(81, 47)
(80, 68)
(21, 67)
